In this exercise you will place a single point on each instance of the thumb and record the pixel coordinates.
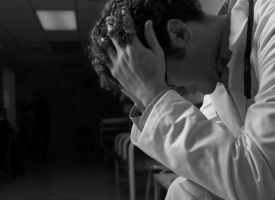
(151, 38)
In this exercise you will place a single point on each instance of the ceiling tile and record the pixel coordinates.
(15, 53)
(4, 36)
(62, 36)
(29, 36)
(19, 20)
(86, 22)
(10, 47)
(42, 57)
(14, 5)
(87, 19)
(68, 57)
(50, 65)
(65, 47)
(39, 52)
(89, 5)
(53, 4)
(70, 65)
(16, 67)
(38, 47)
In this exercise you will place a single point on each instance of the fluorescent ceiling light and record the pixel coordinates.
(63, 20)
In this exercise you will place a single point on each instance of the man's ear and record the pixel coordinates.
(179, 32)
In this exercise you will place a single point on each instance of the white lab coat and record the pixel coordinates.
(213, 148)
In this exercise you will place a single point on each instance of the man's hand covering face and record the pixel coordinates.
(139, 70)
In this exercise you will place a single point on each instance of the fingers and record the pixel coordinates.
(151, 38)
(128, 21)
(129, 27)
(113, 70)
(109, 50)
(112, 52)
(109, 65)
(110, 24)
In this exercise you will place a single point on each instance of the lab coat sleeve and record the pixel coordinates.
(178, 135)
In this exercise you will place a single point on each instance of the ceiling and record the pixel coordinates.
(34, 54)
(37, 55)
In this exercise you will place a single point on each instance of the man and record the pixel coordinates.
(227, 147)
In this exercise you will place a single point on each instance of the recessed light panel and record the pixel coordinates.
(64, 20)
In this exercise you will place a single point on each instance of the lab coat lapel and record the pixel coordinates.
(223, 105)
(220, 98)
(237, 43)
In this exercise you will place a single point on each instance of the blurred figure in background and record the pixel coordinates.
(41, 132)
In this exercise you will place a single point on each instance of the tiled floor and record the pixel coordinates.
(67, 177)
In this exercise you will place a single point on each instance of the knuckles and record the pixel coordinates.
(134, 62)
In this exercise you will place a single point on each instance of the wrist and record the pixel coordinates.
(151, 95)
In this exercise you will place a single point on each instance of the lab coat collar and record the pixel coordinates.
(239, 17)
(237, 43)
(225, 52)
(231, 55)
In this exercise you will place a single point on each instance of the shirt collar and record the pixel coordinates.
(225, 53)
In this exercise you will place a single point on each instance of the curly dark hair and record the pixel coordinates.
(159, 11)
